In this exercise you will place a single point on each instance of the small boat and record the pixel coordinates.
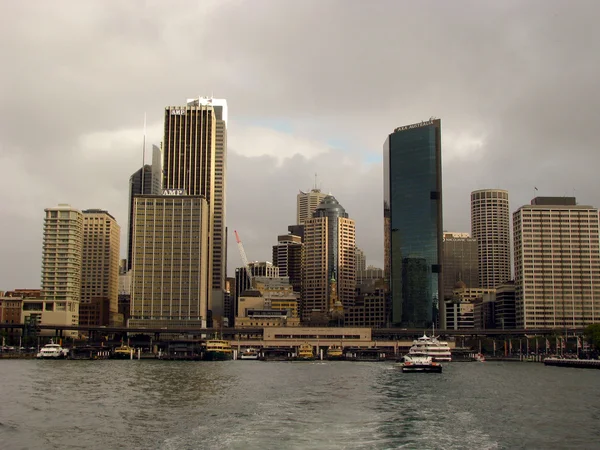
(479, 357)
(123, 352)
(249, 353)
(305, 352)
(420, 362)
(335, 352)
(52, 351)
(218, 350)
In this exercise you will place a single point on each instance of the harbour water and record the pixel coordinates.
(295, 405)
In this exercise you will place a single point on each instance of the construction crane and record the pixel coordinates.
(243, 256)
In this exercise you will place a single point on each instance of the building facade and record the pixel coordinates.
(61, 265)
(100, 263)
(460, 262)
(505, 307)
(194, 163)
(145, 181)
(329, 253)
(306, 204)
(490, 225)
(170, 283)
(361, 261)
(413, 224)
(557, 264)
(287, 256)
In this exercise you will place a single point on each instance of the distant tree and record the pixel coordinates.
(592, 335)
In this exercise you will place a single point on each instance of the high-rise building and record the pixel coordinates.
(194, 155)
(490, 225)
(460, 261)
(61, 265)
(287, 256)
(145, 181)
(307, 202)
(361, 262)
(413, 224)
(100, 262)
(170, 283)
(557, 264)
(329, 243)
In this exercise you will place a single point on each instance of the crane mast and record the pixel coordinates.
(243, 256)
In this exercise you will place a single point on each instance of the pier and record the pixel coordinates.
(579, 363)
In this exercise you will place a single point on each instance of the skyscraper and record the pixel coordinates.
(194, 155)
(329, 243)
(170, 282)
(460, 261)
(413, 223)
(557, 264)
(145, 181)
(287, 256)
(490, 225)
(307, 202)
(100, 261)
(361, 262)
(61, 264)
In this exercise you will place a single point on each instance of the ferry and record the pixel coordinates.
(420, 362)
(479, 357)
(305, 353)
(335, 352)
(431, 346)
(123, 352)
(52, 351)
(249, 354)
(218, 350)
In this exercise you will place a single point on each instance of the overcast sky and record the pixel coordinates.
(312, 86)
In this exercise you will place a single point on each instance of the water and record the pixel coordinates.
(300, 405)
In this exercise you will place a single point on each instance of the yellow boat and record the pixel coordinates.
(335, 352)
(218, 350)
(122, 352)
(305, 352)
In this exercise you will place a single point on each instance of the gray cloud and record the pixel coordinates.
(515, 84)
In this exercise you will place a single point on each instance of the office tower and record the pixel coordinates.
(361, 262)
(460, 261)
(557, 264)
(490, 225)
(194, 155)
(100, 265)
(170, 282)
(287, 256)
(257, 269)
(329, 243)
(504, 306)
(307, 202)
(61, 264)
(145, 181)
(413, 224)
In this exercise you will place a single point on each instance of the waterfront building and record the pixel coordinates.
(369, 305)
(100, 268)
(490, 225)
(145, 181)
(228, 299)
(460, 261)
(287, 257)
(61, 265)
(170, 283)
(484, 310)
(272, 300)
(194, 163)
(460, 307)
(504, 306)
(306, 204)
(557, 264)
(329, 254)
(257, 269)
(412, 161)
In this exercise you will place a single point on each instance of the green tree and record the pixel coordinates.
(592, 335)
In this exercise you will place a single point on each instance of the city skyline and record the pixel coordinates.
(285, 125)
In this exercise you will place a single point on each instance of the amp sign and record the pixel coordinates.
(174, 192)
(178, 112)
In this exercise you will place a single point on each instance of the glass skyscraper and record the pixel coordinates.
(413, 224)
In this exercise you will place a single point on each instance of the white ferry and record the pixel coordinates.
(420, 363)
(52, 351)
(249, 353)
(431, 346)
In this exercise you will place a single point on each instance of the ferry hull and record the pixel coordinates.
(422, 369)
(218, 356)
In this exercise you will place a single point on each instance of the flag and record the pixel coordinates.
(578, 343)
(547, 345)
(510, 346)
(494, 342)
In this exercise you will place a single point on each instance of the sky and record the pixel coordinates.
(313, 87)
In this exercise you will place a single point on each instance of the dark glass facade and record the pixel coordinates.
(413, 224)
(136, 188)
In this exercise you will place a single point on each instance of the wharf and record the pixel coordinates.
(580, 363)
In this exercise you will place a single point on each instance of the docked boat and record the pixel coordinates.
(123, 352)
(479, 357)
(218, 350)
(335, 352)
(431, 346)
(420, 362)
(305, 353)
(249, 354)
(52, 351)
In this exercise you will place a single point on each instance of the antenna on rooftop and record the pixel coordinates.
(143, 155)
